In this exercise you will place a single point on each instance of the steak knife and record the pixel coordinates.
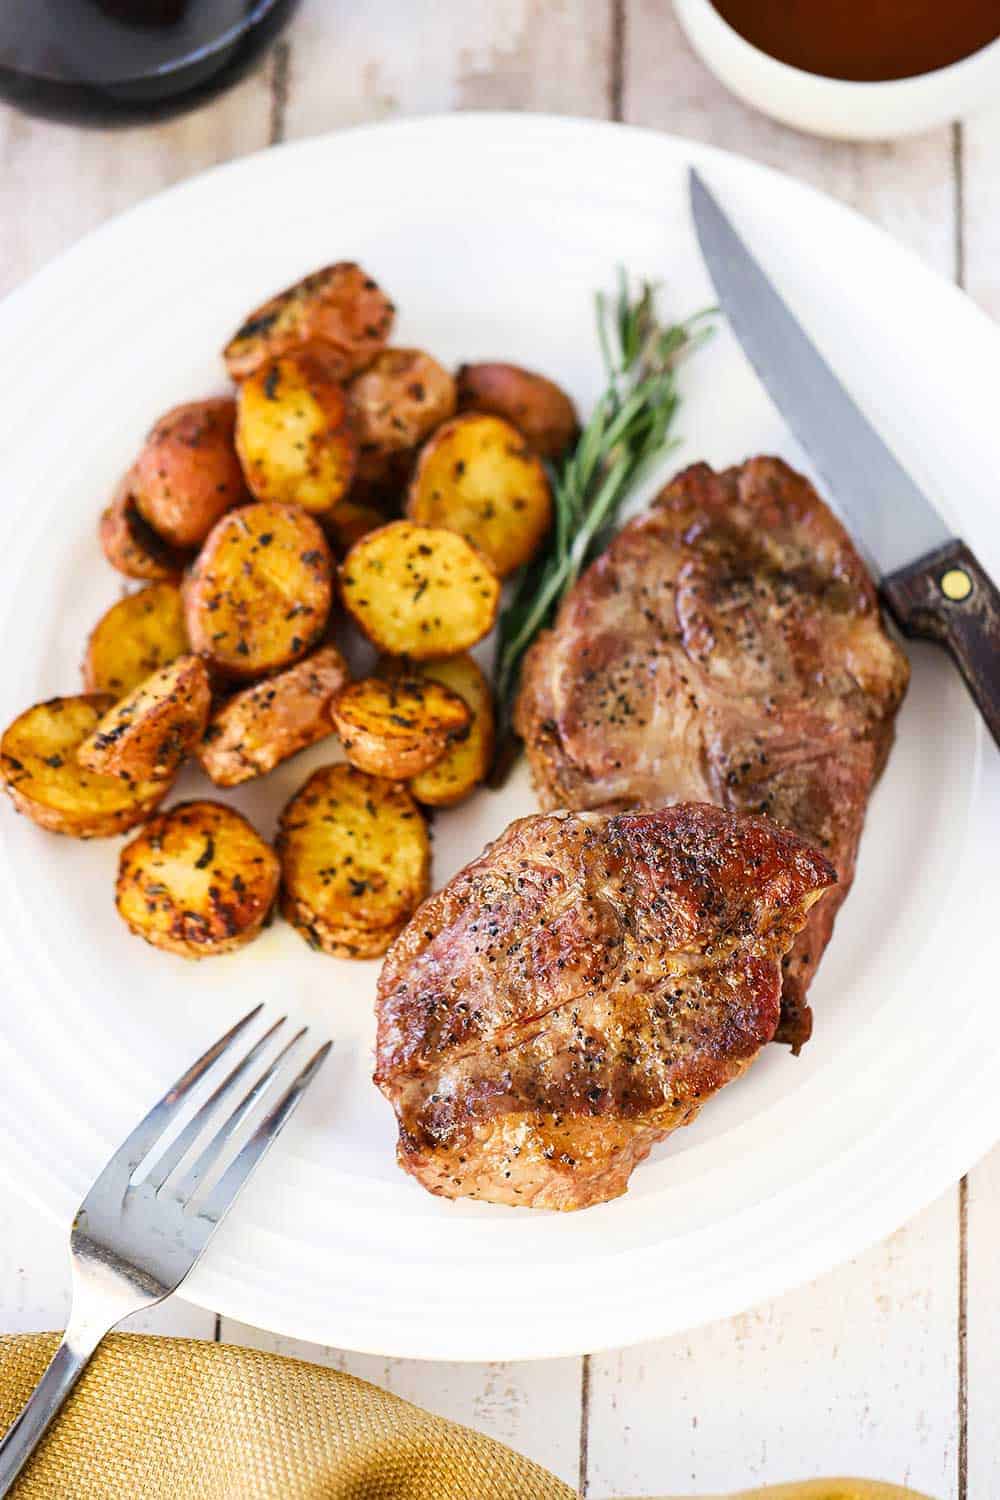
(930, 581)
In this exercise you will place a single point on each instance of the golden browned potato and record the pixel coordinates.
(133, 638)
(339, 308)
(147, 735)
(261, 725)
(398, 727)
(476, 475)
(355, 861)
(188, 474)
(44, 780)
(259, 594)
(467, 762)
(198, 880)
(539, 409)
(352, 520)
(419, 591)
(132, 546)
(293, 434)
(401, 397)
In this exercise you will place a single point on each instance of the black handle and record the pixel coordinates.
(948, 596)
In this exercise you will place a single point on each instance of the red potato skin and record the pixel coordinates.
(188, 474)
(132, 546)
(339, 309)
(539, 409)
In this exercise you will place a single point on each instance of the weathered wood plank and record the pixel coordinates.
(353, 63)
(855, 1374)
(58, 181)
(533, 1407)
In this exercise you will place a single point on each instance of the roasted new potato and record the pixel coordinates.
(466, 762)
(188, 474)
(355, 861)
(198, 880)
(44, 780)
(147, 735)
(395, 403)
(478, 476)
(293, 435)
(259, 726)
(340, 309)
(398, 727)
(258, 596)
(133, 638)
(132, 546)
(419, 591)
(537, 407)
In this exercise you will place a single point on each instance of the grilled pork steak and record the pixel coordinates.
(726, 647)
(580, 990)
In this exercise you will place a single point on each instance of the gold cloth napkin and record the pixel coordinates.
(177, 1419)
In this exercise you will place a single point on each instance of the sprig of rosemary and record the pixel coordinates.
(626, 435)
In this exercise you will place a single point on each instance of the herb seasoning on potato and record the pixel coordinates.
(399, 727)
(260, 726)
(258, 596)
(466, 763)
(339, 308)
(147, 735)
(133, 638)
(419, 591)
(198, 881)
(44, 780)
(478, 476)
(188, 474)
(293, 435)
(355, 861)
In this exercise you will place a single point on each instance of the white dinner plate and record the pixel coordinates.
(492, 234)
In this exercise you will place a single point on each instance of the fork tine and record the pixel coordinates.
(236, 1174)
(137, 1146)
(179, 1148)
(189, 1183)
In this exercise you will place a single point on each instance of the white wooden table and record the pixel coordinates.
(889, 1366)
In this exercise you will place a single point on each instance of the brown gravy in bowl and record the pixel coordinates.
(865, 40)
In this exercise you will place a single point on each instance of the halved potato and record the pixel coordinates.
(133, 638)
(259, 594)
(539, 409)
(400, 727)
(293, 434)
(395, 403)
(44, 780)
(188, 474)
(419, 591)
(339, 308)
(355, 861)
(466, 763)
(132, 546)
(147, 735)
(477, 475)
(198, 880)
(352, 520)
(259, 726)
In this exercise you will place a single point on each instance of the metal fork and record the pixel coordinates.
(132, 1243)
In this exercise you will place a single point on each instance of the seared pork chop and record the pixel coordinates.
(580, 990)
(726, 647)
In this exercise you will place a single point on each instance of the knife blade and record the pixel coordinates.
(931, 582)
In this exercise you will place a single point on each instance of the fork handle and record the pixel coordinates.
(46, 1400)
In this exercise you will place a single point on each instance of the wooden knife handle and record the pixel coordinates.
(948, 596)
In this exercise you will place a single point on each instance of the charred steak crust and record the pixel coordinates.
(578, 992)
(727, 647)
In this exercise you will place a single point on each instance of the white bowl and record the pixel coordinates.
(833, 106)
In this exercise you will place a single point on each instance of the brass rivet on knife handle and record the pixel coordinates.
(948, 596)
(956, 585)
